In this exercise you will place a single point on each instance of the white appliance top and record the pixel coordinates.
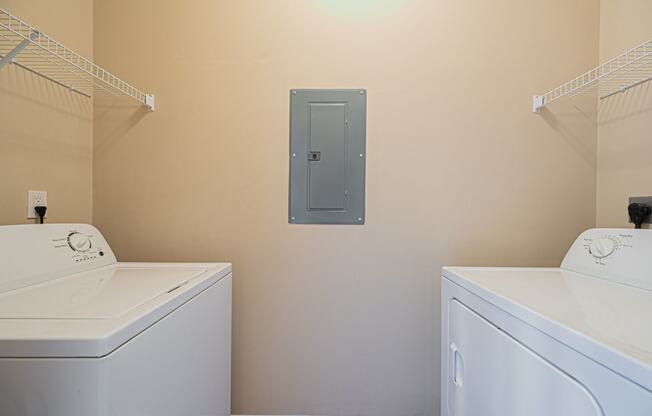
(103, 293)
(63, 294)
(599, 302)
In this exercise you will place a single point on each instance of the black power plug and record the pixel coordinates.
(40, 210)
(639, 213)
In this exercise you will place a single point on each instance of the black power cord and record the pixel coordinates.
(639, 213)
(40, 210)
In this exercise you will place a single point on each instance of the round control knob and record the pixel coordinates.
(602, 247)
(79, 242)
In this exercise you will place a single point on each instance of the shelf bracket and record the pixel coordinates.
(9, 58)
(150, 102)
(538, 102)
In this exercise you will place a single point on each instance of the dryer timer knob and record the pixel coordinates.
(602, 247)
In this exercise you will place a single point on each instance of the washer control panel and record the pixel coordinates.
(81, 245)
(601, 248)
(32, 254)
(620, 255)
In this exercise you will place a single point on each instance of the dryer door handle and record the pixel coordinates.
(457, 372)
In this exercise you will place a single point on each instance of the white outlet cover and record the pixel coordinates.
(35, 199)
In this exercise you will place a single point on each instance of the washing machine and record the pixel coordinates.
(84, 335)
(569, 341)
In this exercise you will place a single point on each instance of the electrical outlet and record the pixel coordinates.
(641, 200)
(35, 199)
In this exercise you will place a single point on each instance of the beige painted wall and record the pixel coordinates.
(624, 167)
(46, 132)
(343, 320)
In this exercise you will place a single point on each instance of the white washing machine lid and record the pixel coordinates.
(92, 313)
(607, 321)
(99, 294)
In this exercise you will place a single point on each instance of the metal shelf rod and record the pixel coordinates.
(30, 49)
(626, 71)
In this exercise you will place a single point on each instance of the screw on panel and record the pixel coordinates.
(359, 218)
(293, 218)
(361, 155)
(294, 92)
(294, 155)
(362, 92)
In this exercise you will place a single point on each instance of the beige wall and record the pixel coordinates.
(46, 131)
(343, 320)
(624, 167)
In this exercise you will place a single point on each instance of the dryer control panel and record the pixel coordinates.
(620, 255)
(32, 254)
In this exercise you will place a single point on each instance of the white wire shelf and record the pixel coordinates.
(616, 76)
(29, 48)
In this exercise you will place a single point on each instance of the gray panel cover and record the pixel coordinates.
(327, 156)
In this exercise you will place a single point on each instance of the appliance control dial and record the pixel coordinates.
(79, 242)
(602, 247)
